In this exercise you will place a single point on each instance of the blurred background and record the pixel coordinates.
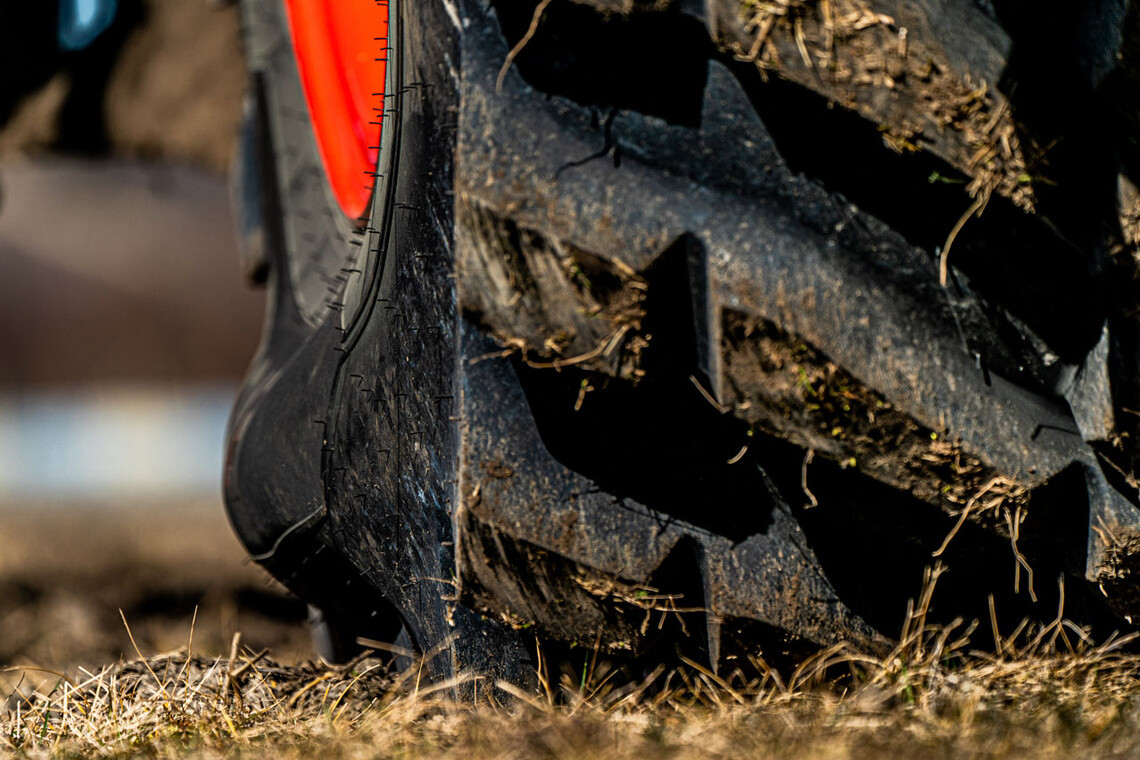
(126, 324)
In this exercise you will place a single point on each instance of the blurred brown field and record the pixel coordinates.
(66, 572)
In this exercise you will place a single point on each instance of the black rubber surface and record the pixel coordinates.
(342, 444)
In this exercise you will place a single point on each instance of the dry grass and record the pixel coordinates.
(1042, 692)
(1047, 691)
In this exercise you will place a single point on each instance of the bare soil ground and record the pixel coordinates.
(65, 573)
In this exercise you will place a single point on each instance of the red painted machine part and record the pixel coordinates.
(341, 47)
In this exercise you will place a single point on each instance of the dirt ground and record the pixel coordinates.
(66, 572)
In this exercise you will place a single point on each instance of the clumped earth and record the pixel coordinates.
(794, 392)
(854, 54)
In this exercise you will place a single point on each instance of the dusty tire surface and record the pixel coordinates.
(700, 325)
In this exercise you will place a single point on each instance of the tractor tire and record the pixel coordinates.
(698, 325)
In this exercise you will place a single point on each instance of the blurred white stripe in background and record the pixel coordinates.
(124, 443)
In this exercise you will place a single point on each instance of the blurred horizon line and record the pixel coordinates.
(111, 443)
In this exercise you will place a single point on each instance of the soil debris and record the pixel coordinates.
(799, 395)
(1130, 218)
(1118, 574)
(884, 67)
(637, 595)
(566, 307)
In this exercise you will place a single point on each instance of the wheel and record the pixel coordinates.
(683, 325)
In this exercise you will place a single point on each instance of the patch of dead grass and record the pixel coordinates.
(1043, 691)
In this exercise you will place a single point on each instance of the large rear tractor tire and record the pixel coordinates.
(700, 325)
